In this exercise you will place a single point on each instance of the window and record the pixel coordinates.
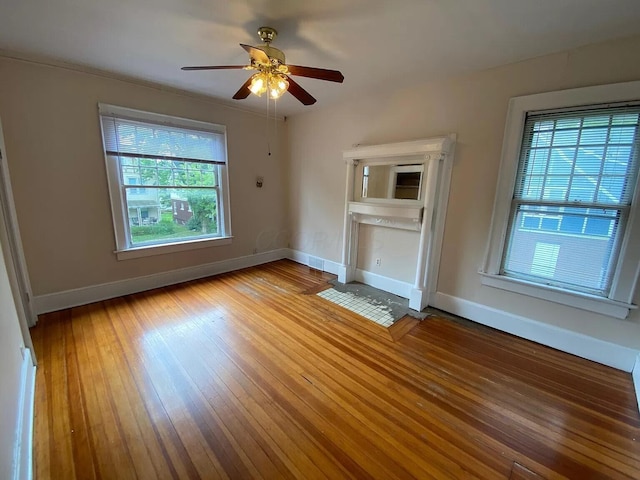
(167, 181)
(563, 226)
(576, 177)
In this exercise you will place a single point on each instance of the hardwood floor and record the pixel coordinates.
(246, 375)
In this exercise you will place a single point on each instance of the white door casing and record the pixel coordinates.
(18, 265)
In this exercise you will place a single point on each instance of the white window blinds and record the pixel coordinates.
(580, 157)
(130, 138)
(575, 184)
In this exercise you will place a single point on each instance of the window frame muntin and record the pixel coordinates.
(625, 277)
(124, 249)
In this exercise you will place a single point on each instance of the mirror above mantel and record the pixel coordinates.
(393, 180)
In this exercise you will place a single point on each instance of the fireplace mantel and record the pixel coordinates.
(424, 215)
(392, 216)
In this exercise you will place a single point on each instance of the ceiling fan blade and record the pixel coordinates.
(215, 67)
(319, 73)
(258, 55)
(300, 93)
(244, 90)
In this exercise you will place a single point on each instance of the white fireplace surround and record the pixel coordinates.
(425, 215)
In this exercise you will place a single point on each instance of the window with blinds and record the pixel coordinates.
(573, 193)
(166, 177)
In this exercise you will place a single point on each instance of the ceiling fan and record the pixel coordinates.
(273, 74)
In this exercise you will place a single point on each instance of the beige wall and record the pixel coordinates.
(474, 107)
(55, 156)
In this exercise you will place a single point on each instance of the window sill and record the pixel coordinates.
(583, 301)
(150, 250)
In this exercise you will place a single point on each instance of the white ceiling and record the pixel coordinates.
(372, 42)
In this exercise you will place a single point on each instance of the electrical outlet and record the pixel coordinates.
(378, 262)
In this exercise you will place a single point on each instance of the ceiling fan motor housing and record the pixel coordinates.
(267, 35)
(273, 53)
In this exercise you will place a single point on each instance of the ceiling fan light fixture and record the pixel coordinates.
(259, 82)
(278, 85)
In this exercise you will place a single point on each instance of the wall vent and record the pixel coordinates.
(317, 263)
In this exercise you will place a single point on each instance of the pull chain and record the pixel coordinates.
(275, 121)
(267, 129)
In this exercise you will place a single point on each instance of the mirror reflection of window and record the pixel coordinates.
(378, 180)
(365, 181)
(403, 182)
(407, 185)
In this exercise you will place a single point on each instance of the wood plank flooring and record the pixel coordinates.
(246, 375)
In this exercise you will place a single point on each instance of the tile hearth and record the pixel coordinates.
(363, 306)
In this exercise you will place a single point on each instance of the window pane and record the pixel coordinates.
(611, 190)
(622, 135)
(561, 161)
(563, 123)
(542, 139)
(589, 160)
(532, 187)
(583, 189)
(566, 137)
(161, 215)
(572, 248)
(594, 136)
(542, 125)
(617, 160)
(133, 162)
(149, 176)
(537, 164)
(625, 119)
(168, 173)
(556, 188)
(595, 120)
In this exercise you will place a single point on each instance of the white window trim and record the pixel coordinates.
(150, 250)
(124, 251)
(627, 268)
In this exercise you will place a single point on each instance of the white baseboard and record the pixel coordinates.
(23, 459)
(402, 289)
(636, 379)
(387, 284)
(303, 258)
(95, 293)
(578, 344)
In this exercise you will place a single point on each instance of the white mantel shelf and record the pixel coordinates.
(440, 145)
(402, 216)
